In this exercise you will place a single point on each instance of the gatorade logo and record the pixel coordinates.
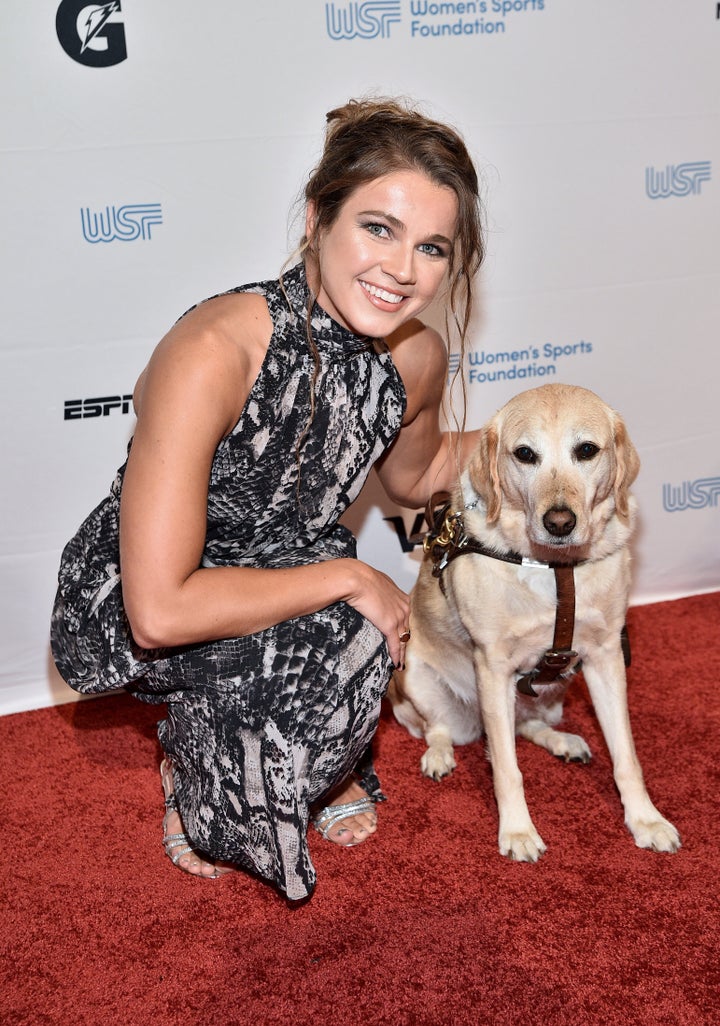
(92, 34)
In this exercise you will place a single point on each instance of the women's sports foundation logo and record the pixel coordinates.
(700, 494)
(92, 34)
(370, 19)
(677, 179)
(127, 223)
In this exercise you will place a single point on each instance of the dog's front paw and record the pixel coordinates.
(570, 747)
(658, 835)
(522, 847)
(438, 761)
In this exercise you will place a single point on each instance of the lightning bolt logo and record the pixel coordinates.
(96, 19)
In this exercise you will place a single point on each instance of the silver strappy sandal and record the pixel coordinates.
(326, 818)
(177, 845)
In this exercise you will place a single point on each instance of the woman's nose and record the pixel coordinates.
(400, 264)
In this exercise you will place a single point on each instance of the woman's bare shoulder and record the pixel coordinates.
(216, 349)
(421, 358)
(416, 339)
(233, 326)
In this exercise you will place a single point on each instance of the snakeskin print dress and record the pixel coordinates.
(259, 727)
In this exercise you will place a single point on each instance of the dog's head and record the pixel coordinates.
(554, 467)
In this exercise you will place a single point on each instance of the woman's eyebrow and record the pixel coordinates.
(394, 221)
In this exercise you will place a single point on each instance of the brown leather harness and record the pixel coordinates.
(447, 539)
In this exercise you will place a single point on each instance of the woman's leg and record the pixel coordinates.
(261, 729)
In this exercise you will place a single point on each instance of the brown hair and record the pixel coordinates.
(367, 139)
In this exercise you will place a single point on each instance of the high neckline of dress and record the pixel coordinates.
(326, 331)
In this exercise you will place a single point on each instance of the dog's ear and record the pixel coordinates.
(483, 471)
(627, 466)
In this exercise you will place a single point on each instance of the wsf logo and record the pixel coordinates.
(369, 19)
(91, 33)
(677, 179)
(127, 223)
(691, 494)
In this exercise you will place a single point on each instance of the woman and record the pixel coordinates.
(241, 603)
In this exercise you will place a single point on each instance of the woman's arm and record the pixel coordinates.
(188, 399)
(422, 459)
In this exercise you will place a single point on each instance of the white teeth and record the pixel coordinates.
(389, 297)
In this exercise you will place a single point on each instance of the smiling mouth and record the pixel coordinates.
(378, 293)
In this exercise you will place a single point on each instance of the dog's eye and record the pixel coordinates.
(586, 451)
(524, 454)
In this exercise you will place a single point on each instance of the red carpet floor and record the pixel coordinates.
(423, 925)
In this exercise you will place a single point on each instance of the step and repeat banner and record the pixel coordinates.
(154, 153)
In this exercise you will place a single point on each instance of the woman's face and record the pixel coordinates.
(385, 256)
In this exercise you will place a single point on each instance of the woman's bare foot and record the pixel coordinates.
(176, 842)
(352, 828)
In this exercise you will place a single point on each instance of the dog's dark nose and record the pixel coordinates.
(559, 521)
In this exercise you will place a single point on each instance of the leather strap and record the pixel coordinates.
(558, 658)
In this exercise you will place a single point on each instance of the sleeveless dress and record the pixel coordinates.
(259, 727)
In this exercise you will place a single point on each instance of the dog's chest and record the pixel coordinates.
(511, 610)
(532, 605)
(505, 606)
(539, 581)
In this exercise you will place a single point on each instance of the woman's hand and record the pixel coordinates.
(380, 601)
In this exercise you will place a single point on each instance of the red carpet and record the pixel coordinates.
(423, 925)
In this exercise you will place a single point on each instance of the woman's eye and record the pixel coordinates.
(431, 249)
(377, 229)
(586, 451)
(524, 454)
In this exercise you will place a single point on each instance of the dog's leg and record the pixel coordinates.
(517, 837)
(427, 707)
(608, 690)
(439, 759)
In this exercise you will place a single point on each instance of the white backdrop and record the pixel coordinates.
(152, 155)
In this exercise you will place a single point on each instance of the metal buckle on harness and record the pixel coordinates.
(558, 660)
(449, 535)
(553, 660)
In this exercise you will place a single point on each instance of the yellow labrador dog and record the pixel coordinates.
(548, 484)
